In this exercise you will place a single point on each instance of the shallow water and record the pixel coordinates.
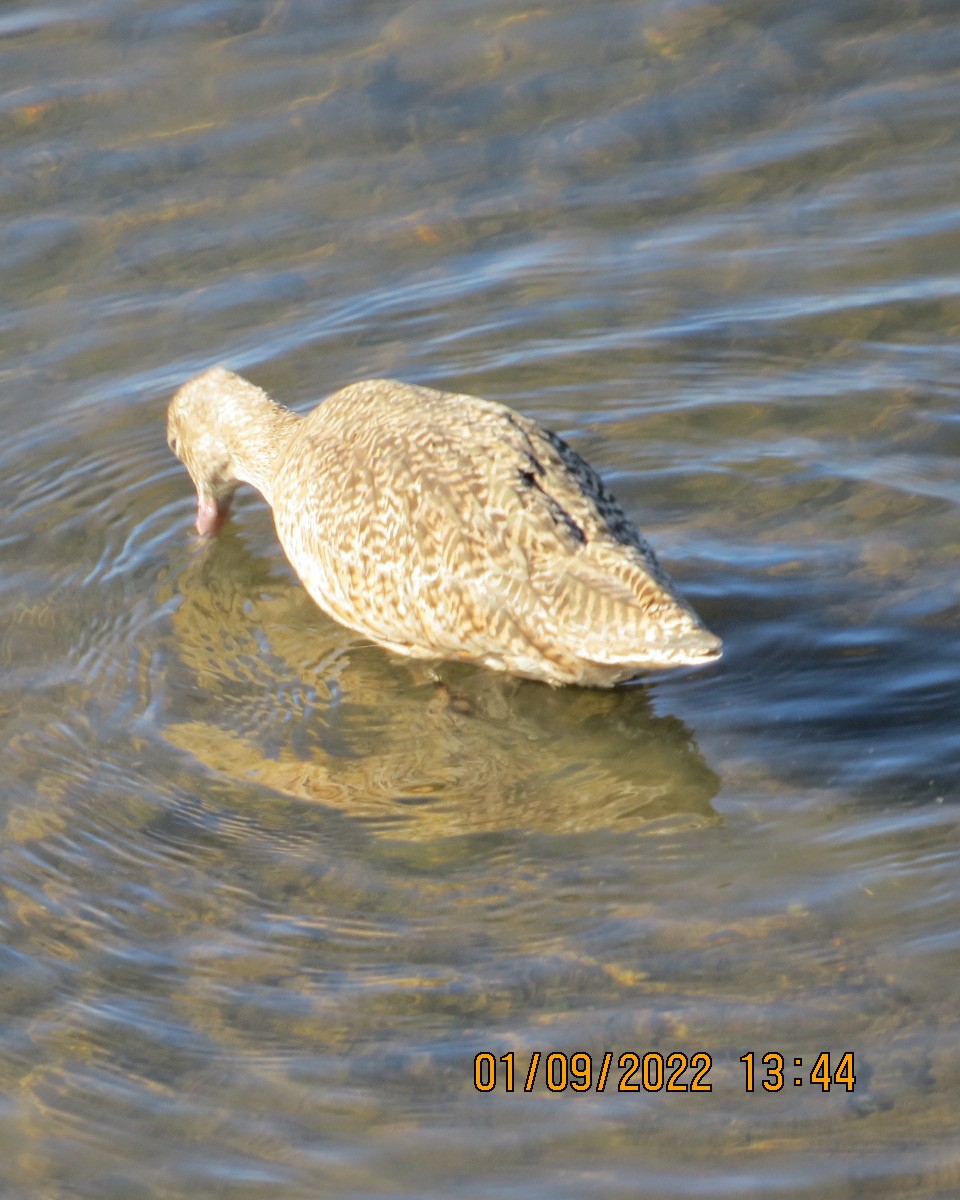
(266, 890)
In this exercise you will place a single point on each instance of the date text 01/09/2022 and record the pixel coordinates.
(655, 1072)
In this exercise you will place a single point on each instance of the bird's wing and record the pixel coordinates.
(467, 534)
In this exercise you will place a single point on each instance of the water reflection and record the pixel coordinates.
(248, 943)
(275, 692)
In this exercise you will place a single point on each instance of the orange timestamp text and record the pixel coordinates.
(653, 1071)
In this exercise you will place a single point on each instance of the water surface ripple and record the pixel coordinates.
(265, 891)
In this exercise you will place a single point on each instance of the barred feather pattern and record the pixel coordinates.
(444, 526)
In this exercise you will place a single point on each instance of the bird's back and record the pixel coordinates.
(447, 526)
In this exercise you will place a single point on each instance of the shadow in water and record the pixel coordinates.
(264, 688)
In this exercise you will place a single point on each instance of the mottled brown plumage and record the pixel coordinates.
(443, 526)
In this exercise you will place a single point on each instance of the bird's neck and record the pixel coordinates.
(261, 434)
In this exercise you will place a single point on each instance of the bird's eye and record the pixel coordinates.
(174, 445)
